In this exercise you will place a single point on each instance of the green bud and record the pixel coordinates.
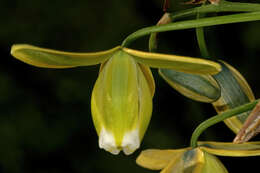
(121, 103)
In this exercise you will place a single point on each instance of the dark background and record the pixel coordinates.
(45, 119)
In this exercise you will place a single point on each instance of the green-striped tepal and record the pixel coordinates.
(201, 159)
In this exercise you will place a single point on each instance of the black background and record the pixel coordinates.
(45, 120)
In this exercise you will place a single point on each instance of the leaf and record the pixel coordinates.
(178, 63)
(48, 58)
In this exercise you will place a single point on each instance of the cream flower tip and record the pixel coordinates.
(107, 142)
(131, 142)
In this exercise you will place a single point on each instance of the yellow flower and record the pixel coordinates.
(121, 100)
(196, 160)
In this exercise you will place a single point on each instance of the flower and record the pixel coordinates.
(121, 102)
(201, 159)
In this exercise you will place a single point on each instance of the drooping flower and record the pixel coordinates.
(196, 160)
(121, 102)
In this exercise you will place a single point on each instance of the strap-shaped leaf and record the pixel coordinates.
(178, 63)
(231, 149)
(202, 88)
(48, 58)
(158, 159)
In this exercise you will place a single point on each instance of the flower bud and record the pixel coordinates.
(121, 103)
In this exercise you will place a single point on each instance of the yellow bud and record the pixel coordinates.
(121, 103)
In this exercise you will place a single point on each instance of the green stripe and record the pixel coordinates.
(231, 91)
(194, 83)
(232, 147)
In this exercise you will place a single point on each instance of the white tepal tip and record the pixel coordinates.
(131, 142)
(107, 142)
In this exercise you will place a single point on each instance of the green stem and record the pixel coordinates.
(218, 118)
(210, 21)
(201, 39)
(223, 6)
(153, 42)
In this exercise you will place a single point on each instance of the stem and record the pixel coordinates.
(210, 21)
(201, 39)
(223, 6)
(218, 118)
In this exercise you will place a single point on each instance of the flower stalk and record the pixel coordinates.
(218, 118)
(252, 14)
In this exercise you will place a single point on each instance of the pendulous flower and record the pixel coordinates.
(201, 159)
(121, 102)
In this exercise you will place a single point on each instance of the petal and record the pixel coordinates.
(202, 88)
(213, 164)
(158, 159)
(235, 91)
(48, 58)
(231, 149)
(190, 161)
(149, 77)
(178, 63)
